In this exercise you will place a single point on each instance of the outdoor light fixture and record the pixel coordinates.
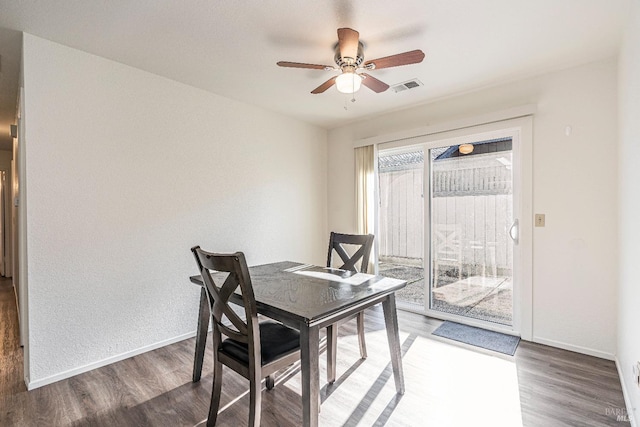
(465, 148)
(348, 82)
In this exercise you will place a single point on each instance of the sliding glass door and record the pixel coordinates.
(447, 225)
(401, 222)
(471, 214)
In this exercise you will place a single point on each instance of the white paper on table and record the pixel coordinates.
(356, 279)
(387, 281)
(298, 267)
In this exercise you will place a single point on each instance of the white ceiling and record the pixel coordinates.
(231, 47)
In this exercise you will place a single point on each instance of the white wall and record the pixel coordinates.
(629, 298)
(125, 171)
(575, 181)
(5, 165)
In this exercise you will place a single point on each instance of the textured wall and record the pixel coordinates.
(125, 171)
(574, 184)
(629, 300)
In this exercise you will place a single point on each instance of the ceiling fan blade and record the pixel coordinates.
(324, 86)
(348, 40)
(412, 57)
(374, 84)
(302, 65)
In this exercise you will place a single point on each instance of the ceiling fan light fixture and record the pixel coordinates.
(348, 82)
(465, 148)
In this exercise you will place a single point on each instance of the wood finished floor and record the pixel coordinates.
(447, 385)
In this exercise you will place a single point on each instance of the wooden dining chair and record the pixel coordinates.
(363, 243)
(255, 350)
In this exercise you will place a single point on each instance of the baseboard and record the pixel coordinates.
(627, 402)
(574, 348)
(31, 385)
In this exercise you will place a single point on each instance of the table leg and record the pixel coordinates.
(332, 343)
(391, 321)
(201, 336)
(309, 343)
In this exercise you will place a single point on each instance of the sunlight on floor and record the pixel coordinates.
(446, 385)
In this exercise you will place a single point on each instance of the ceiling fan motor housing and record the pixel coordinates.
(349, 62)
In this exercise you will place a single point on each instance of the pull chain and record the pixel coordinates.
(353, 99)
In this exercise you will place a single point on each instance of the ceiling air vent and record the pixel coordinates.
(411, 84)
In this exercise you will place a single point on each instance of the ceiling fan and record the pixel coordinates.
(349, 57)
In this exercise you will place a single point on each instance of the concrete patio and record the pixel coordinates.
(477, 297)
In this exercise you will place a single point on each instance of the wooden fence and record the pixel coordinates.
(472, 203)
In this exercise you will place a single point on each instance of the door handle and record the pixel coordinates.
(514, 232)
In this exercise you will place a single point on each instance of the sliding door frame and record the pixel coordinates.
(522, 130)
(472, 136)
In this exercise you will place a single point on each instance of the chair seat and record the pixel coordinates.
(275, 340)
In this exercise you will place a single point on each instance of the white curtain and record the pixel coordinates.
(365, 193)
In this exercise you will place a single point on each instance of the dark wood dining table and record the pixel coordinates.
(308, 298)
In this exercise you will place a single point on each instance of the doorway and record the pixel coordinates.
(448, 223)
(472, 230)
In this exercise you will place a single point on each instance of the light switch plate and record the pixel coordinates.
(539, 220)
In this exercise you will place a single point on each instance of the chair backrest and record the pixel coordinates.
(219, 296)
(447, 242)
(365, 241)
